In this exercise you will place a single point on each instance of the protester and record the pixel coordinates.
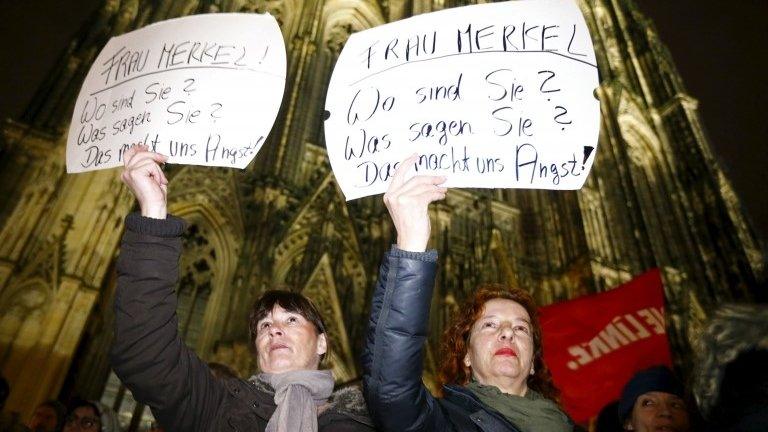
(743, 399)
(48, 417)
(493, 373)
(287, 333)
(83, 416)
(731, 379)
(653, 399)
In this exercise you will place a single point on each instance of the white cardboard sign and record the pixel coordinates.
(492, 95)
(203, 90)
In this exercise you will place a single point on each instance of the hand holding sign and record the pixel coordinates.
(203, 89)
(493, 95)
(407, 201)
(146, 180)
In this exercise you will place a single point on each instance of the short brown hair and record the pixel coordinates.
(455, 342)
(291, 302)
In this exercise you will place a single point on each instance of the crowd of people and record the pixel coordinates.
(78, 415)
(492, 374)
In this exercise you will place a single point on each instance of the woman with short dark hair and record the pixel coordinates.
(287, 334)
(290, 302)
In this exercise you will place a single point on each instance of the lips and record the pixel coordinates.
(277, 346)
(508, 352)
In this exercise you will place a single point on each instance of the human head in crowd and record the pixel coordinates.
(48, 417)
(83, 416)
(495, 339)
(287, 332)
(220, 370)
(653, 400)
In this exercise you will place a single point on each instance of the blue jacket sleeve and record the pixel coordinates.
(394, 345)
(148, 354)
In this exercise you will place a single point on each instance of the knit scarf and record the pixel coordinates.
(532, 412)
(297, 396)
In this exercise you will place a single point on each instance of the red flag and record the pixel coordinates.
(594, 344)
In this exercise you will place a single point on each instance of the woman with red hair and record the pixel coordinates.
(493, 375)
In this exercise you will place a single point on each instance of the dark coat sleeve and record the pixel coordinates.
(148, 354)
(394, 345)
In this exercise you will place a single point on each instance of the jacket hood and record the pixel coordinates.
(733, 330)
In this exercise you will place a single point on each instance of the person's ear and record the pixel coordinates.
(467, 362)
(322, 344)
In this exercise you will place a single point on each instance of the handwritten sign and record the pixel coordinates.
(203, 90)
(493, 95)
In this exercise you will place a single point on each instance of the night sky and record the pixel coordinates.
(719, 48)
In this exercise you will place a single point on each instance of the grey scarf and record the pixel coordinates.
(532, 412)
(297, 395)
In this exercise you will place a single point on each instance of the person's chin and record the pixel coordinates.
(507, 369)
(281, 362)
(506, 362)
(280, 367)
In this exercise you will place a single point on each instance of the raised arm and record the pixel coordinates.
(398, 326)
(148, 354)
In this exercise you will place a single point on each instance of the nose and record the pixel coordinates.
(275, 330)
(506, 332)
(665, 410)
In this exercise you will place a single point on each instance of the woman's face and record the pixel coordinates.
(286, 341)
(658, 411)
(44, 419)
(501, 346)
(82, 419)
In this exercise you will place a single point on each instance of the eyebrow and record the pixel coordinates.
(287, 313)
(496, 316)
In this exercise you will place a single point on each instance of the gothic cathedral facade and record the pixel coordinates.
(655, 198)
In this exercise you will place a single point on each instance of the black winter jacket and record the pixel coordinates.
(394, 354)
(152, 361)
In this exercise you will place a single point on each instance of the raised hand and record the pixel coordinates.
(408, 201)
(143, 175)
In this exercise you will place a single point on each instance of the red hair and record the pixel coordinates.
(455, 342)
